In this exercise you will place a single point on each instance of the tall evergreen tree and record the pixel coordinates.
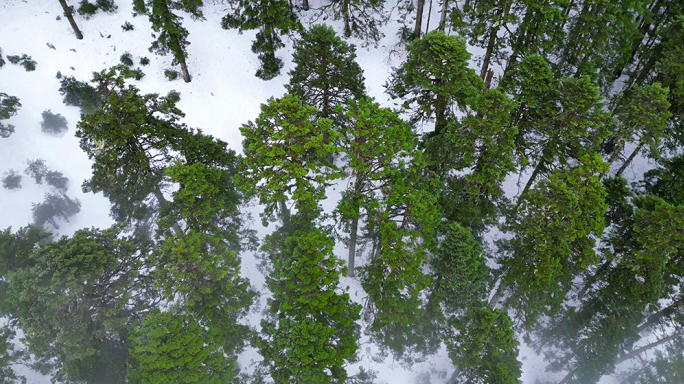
(325, 73)
(173, 37)
(311, 330)
(285, 149)
(310, 333)
(376, 142)
(554, 234)
(644, 118)
(74, 298)
(558, 120)
(435, 78)
(272, 18)
(131, 140)
(362, 18)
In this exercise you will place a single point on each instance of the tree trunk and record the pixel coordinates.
(534, 175)
(352, 244)
(665, 312)
(345, 16)
(284, 213)
(630, 158)
(52, 221)
(427, 27)
(162, 202)
(70, 17)
(645, 348)
(419, 19)
(305, 5)
(442, 21)
(440, 114)
(501, 15)
(186, 74)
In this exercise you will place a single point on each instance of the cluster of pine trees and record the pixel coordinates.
(587, 269)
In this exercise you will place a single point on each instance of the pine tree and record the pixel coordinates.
(362, 18)
(484, 25)
(473, 156)
(9, 106)
(273, 18)
(285, 149)
(375, 140)
(311, 330)
(642, 117)
(435, 78)
(401, 227)
(169, 347)
(554, 234)
(74, 298)
(558, 120)
(131, 140)
(173, 37)
(325, 73)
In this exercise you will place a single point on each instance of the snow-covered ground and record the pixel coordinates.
(223, 94)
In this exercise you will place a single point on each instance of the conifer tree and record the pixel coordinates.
(435, 78)
(168, 347)
(483, 24)
(554, 235)
(273, 18)
(285, 150)
(325, 73)
(311, 330)
(173, 37)
(473, 156)
(362, 18)
(9, 106)
(376, 142)
(558, 120)
(131, 140)
(401, 227)
(644, 118)
(74, 298)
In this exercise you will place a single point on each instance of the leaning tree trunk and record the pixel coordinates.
(630, 158)
(645, 348)
(442, 21)
(501, 15)
(345, 16)
(419, 19)
(70, 17)
(186, 74)
(352, 244)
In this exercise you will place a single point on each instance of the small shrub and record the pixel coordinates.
(171, 74)
(127, 27)
(53, 123)
(144, 61)
(11, 180)
(24, 60)
(80, 94)
(86, 9)
(2, 61)
(107, 6)
(127, 59)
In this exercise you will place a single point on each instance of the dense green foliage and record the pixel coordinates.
(580, 104)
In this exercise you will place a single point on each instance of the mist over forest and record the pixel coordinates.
(341, 191)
